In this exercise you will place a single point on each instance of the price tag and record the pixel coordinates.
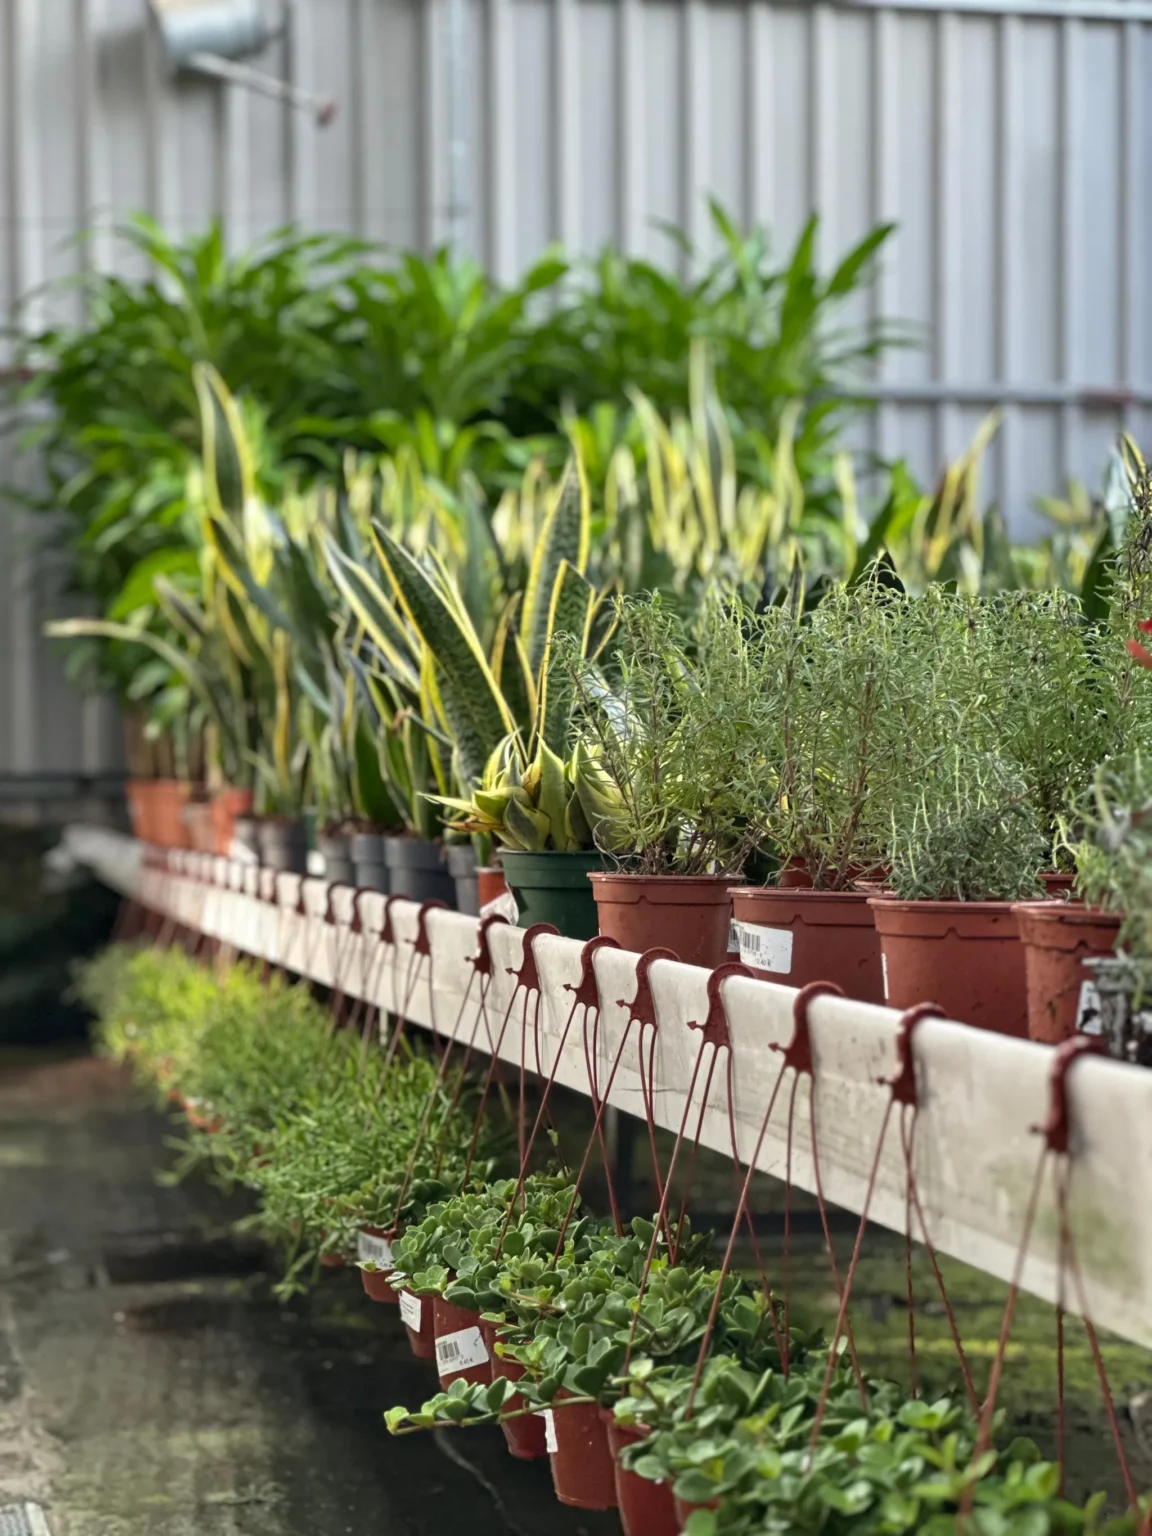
(371, 1249)
(460, 1351)
(1088, 1010)
(733, 939)
(411, 1310)
(550, 1444)
(884, 969)
(767, 949)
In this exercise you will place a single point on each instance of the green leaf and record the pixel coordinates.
(565, 535)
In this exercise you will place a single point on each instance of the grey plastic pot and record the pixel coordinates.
(416, 870)
(336, 848)
(246, 836)
(371, 872)
(462, 867)
(284, 846)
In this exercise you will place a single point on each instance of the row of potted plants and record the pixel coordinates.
(654, 1383)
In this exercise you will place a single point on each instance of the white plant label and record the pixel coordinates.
(411, 1310)
(733, 938)
(550, 1444)
(768, 949)
(884, 969)
(1088, 1009)
(460, 1351)
(374, 1250)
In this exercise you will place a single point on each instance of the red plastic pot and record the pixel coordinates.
(965, 956)
(168, 798)
(688, 914)
(1056, 882)
(227, 805)
(583, 1473)
(646, 1508)
(1057, 937)
(799, 935)
(375, 1281)
(490, 884)
(525, 1435)
(461, 1353)
(419, 1324)
(683, 1510)
(141, 808)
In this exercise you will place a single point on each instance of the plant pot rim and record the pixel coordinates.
(895, 904)
(1067, 912)
(551, 853)
(629, 889)
(797, 893)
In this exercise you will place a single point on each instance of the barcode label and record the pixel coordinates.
(1088, 1010)
(768, 949)
(550, 1444)
(460, 1351)
(884, 970)
(371, 1249)
(411, 1310)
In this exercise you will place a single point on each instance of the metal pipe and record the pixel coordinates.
(1083, 10)
(458, 104)
(265, 85)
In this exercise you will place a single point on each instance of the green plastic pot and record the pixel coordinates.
(554, 888)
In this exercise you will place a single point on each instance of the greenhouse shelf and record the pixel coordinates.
(981, 1096)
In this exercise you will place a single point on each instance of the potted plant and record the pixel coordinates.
(668, 777)
(830, 682)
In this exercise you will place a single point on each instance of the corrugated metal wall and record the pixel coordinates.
(1012, 142)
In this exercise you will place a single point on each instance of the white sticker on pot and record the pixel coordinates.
(884, 969)
(768, 949)
(371, 1249)
(550, 1444)
(1088, 1010)
(733, 939)
(411, 1310)
(460, 1351)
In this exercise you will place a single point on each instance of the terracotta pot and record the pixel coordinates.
(1058, 936)
(141, 798)
(375, 1281)
(688, 914)
(227, 805)
(1056, 882)
(461, 1352)
(198, 823)
(583, 1473)
(794, 876)
(964, 955)
(646, 1508)
(683, 1509)
(795, 935)
(419, 1323)
(491, 884)
(168, 827)
(331, 1261)
(525, 1436)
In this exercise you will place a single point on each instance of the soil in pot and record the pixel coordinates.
(796, 935)
(460, 1348)
(491, 884)
(1058, 937)
(583, 1473)
(554, 888)
(965, 956)
(374, 1246)
(284, 846)
(417, 871)
(370, 872)
(525, 1435)
(646, 1508)
(688, 914)
(416, 1313)
(461, 859)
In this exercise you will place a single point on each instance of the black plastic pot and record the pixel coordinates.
(554, 888)
(462, 867)
(336, 847)
(371, 872)
(416, 870)
(284, 846)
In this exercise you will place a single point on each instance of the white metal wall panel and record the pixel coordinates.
(1011, 140)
